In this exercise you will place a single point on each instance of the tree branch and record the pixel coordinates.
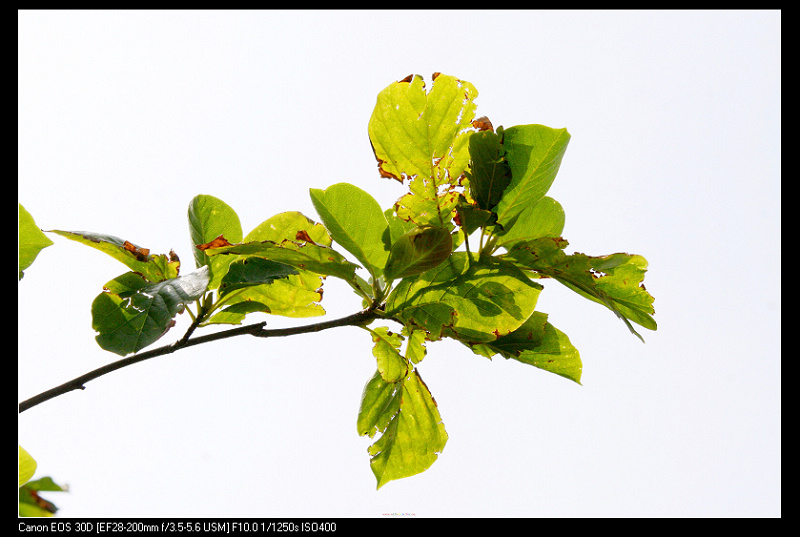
(257, 329)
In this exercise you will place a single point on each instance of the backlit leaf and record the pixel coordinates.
(297, 295)
(474, 302)
(31, 240)
(391, 364)
(613, 280)
(534, 154)
(423, 137)
(209, 218)
(540, 344)
(545, 218)
(356, 222)
(154, 268)
(417, 251)
(27, 466)
(407, 415)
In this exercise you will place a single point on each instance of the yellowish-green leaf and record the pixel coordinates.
(356, 222)
(423, 137)
(391, 364)
(613, 280)
(27, 466)
(31, 240)
(539, 344)
(155, 268)
(407, 415)
(209, 218)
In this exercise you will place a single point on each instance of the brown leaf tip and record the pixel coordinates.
(219, 242)
(302, 235)
(483, 124)
(140, 253)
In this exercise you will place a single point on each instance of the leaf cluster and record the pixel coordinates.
(461, 255)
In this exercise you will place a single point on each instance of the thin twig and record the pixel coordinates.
(257, 329)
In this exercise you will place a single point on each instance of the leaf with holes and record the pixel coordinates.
(614, 281)
(406, 414)
(423, 137)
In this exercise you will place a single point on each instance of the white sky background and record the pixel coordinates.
(675, 155)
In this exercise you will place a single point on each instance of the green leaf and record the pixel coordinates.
(290, 226)
(407, 415)
(132, 313)
(356, 222)
(543, 219)
(309, 256)
(417, 251)
(470, 217)
(292, 239)
(489, 174)
(154, 268)
(474, 301)
(540, 344)
(31, 240)
(297, 295)
(236, 312)
(423, 137)
(534, 154)
(613, 280)
(31, 504)
(27, 466)
(391, 364)
(253, 271)
(415, 349)
(380, 402)
(209, 218)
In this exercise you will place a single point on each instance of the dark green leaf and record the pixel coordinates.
(253, 271)
(132, 313)
(489, 173)
(309, 256)
(417, 251)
